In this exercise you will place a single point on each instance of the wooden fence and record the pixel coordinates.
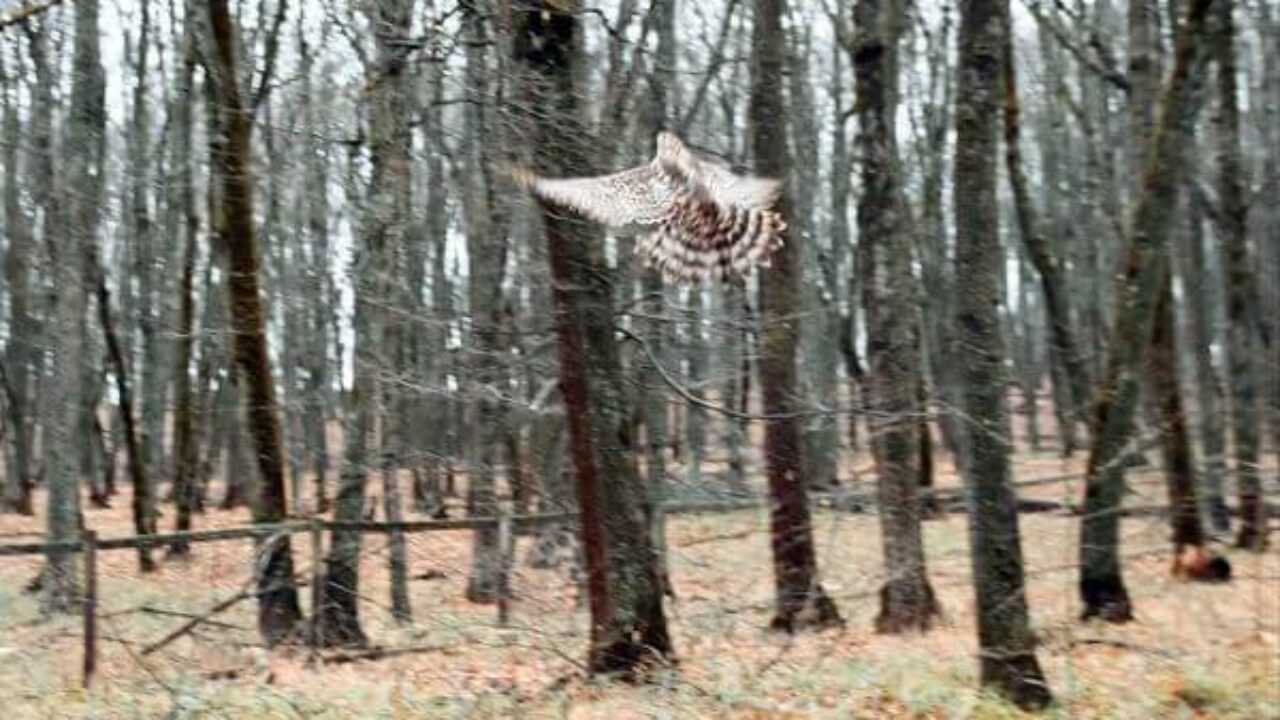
(506, 525)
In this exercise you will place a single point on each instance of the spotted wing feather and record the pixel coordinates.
(637, 197)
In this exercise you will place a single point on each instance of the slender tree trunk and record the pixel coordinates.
(487, 255)
(320, 309)
(383, 235)
(1242, 292)
(144, 521)
(907, 601)
(1179, 466)
(186, 450)
(1102, 586)
(70, 253)
(278, 609)
(696, 362)
(658, 108)
(1200, 279)
(801, 601)
(628, 625)
(19, 353)
(1008, 660)
(1162, 376)
(1040, 251)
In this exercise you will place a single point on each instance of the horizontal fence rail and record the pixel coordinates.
(518, 522)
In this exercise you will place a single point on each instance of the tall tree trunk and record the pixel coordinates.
(148, 261)
(657, 109)
(1202, 280)
(69, 250)
(186, 450)
(1102, 586)
(819, 338)
(320, 308)
(487, 257)
(278, 609)
(19, 353)
(1162, 378)
(1008, 661)
(1242, 292)
(144, 521)
(932, 244)
(696, 362)
(628, 625)
(1053, 284)
(907, 601)
(385, 224)
(801, 601)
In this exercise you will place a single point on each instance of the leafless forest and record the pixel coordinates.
(336, 381)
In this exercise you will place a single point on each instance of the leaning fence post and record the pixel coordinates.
(317, 580)
(504, 568)
(90, 605)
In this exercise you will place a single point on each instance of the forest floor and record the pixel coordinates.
(1195, 651)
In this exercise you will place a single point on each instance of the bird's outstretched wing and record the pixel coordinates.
(640, 196)
(721, 185)
(701, 219)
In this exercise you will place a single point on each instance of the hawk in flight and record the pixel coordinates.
(698, 219)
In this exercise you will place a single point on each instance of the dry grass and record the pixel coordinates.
(1195, 651)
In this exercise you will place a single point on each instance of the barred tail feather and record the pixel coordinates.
(691, 246)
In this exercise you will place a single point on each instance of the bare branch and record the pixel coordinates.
(25, 12)
(272, 49)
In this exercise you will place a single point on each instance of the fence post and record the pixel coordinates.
(505, 550)
(317, 580)
(90, 538)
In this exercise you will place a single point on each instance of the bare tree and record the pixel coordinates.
(889, 293)
(801, 601)
(19, 353)
(628, 625)
(1008, 659)
(1102, 586)
(1241, 290)
(278, 609)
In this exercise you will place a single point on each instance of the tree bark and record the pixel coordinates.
(186, 450)
(487, 258)
(1202, 280)
(1053, 284)
(278, 608)
(801, 601)
(628, 626)
(1162, 378)
(1102, 586)
(69, 237)
(1008, 661)
(1242, 291)
(19, 353)
(907, 601)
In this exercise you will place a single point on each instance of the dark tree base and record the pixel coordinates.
(482, 592)
(1106, 600)
(907, 614)
(1018, 679)
(1251, 538)
(631, 660)
(341, 629)
(278, 611)
(817, 612)
(278, 617)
